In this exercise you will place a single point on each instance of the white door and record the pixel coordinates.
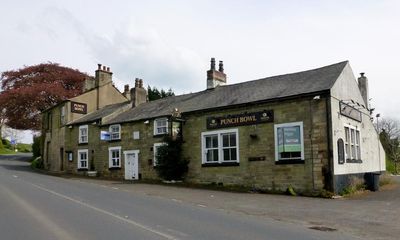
(131, 165)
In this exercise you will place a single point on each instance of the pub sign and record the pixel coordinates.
(77, 107)
(240, 119)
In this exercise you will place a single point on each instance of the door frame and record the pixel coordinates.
(126, 153)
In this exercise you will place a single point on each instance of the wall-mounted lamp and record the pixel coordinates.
(317, 97)
(70, 126)
(146, 122)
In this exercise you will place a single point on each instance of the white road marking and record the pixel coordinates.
(147, 228)
(176, 200)
(115, 188)
(200, 205)
(15, 176)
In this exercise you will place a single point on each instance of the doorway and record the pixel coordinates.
(131, 164)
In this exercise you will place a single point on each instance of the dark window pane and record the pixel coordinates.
(233, 140)
(215, 141)
(215, 155)
(225, 140)
(226, 155)
(233, 154)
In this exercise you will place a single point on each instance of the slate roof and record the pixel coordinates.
(275, 87)
(99, 114)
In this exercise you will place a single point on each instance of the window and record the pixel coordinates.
(160, 126)
(220, 146)
(156, 146)
(83, 134)
(352, 143)
(62, 115)
(83, 159)
(115, 132)
(114, 157)
(289, 141)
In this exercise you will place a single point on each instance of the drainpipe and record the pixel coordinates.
(329, 140)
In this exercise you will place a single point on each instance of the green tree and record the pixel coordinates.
(170, 163)
(154, 94)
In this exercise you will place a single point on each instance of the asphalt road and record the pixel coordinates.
(37, 206)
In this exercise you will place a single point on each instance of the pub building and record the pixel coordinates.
(310, 130)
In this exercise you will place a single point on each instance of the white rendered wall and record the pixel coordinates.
(372, 153)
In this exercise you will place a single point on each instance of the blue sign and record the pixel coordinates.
(105, 136)
(13, 142)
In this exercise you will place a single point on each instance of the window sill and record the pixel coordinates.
(160, 135)
(354, 161)
(289, 161)
(83, 144)
(82, 169)
(115, 140)
(223, 164)
(114, 168)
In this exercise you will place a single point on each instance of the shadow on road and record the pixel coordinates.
(16, 162)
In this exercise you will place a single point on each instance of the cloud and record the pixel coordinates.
(135, 50)
(132, 50)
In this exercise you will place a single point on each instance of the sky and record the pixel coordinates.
(169, 43)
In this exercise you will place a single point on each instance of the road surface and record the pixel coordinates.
(38, 206)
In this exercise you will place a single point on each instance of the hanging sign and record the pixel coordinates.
(240, 119)
(350, 112)
(78, 107)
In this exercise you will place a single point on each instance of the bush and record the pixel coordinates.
(385, 179)
(37, 163)
(36, 146)
(170, 164)
(6, 143)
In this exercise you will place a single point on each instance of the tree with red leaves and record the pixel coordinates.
(29, 90)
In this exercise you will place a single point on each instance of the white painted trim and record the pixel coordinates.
(219, 133)
(155, 126)
(155, 152)
(119, 132)
(137, 159)
(291, 124)
(110, 156)
(356, 129)
(79, 158)
(80, 135)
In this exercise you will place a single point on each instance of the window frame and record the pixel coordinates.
(354, 145)
(155, 146)
(283, 125)
(80, 134)
(220, 147)
(110, 157)
(156, 127)
(111, 132)
(79, 159)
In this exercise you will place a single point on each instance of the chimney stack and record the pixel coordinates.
(138, 93)
(103, 76)
(127, 92)
(363, 86)
(214, 77)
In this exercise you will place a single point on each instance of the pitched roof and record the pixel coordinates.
(275, 87)
(101, 113)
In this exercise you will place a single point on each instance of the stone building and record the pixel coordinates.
(311, 130)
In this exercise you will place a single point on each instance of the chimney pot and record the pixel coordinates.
(362, 74)
(221, 66)
(99, 66)
(140, 83)
(108, 69)
(212, 64)
(126, 88)
(104, 68)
